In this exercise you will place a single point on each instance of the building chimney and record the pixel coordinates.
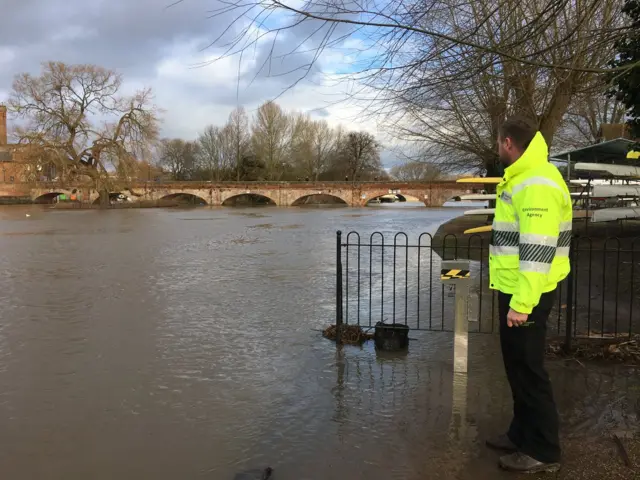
(3, 125)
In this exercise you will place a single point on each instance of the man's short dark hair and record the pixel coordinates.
(519, 129)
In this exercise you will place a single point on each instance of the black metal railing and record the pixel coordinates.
(395, 279)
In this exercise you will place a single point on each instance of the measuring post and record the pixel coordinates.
(456, 273)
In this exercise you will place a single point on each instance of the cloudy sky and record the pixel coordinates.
(166, 48)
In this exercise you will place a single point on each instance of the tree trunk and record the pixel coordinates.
(494, 169)
(103, 199)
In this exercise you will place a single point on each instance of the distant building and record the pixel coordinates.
(10, 170)
(613, 131)
(14, 164)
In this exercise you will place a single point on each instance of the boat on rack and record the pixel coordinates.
(611, 190)
(607, 188)
(615, 213)
(604, 191)
(609, 170)
(478, 197)
(481, 211)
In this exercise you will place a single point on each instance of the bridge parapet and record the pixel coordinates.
(432, 194)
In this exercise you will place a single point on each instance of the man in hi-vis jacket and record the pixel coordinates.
(529, 256)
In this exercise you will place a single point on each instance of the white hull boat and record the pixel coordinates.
(478, 197)
(602, 191)
(481, 211)
(612, 214)
(606, 169)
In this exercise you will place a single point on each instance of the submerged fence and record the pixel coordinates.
(397, 279)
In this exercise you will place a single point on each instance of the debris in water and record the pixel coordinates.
(351, 334)
(622, 451)
(266, 474)
(619, 349)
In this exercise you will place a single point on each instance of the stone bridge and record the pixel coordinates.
(433, 194)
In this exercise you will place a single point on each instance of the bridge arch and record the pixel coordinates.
(405, 197)
(372, 197)
(49, 197)
(115, 197)
(247, 199)
(319, 199)
(183, 198)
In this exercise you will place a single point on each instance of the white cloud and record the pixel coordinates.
(176, 78)
(7, 55)
(73, 33)
(160, 48)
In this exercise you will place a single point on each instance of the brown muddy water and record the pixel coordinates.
(183, 344)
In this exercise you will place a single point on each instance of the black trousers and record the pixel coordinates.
(534, 428)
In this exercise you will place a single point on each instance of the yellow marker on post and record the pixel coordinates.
(450, 274)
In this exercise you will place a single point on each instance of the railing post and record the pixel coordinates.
(568, 330)
(339, 318)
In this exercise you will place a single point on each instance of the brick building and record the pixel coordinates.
(12, 170)
(14, 165)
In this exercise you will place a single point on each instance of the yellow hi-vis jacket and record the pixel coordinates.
(531, 235)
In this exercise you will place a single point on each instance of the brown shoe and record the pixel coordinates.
(521, 463)
(502, 442)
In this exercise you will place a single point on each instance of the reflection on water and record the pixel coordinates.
(134, 344)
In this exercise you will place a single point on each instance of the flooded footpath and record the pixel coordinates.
(180, 344)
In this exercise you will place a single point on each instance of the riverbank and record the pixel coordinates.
(591, 458)
(600, 425)
(15, 200)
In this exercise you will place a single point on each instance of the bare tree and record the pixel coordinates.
(302, 143)
(445, 74)
(270, 139)
(209, 151)
(583, 122)
(358, 156)
(179, 157)
(397, 24)
(325, 143)
(313, 143)
(414, 171)
(147, 171)
(76, 114)
(215, 152)
(238, 125)
(453, 105)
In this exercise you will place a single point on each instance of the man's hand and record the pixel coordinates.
(515, 319)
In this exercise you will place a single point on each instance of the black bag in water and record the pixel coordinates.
(265, 474)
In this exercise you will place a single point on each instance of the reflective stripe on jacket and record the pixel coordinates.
(531, 236)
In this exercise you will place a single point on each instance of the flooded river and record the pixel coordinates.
(179, 344)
